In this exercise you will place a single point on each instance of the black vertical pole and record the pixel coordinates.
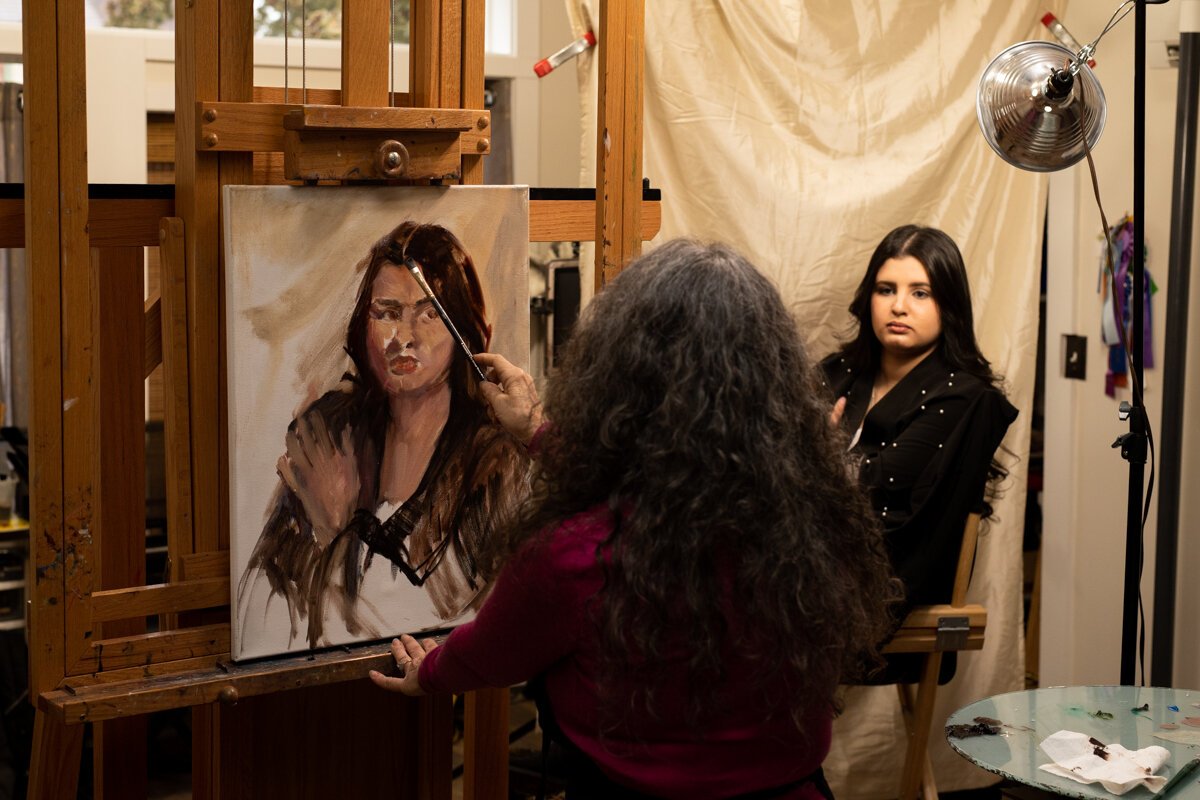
(1135, 451)
(1174, 365)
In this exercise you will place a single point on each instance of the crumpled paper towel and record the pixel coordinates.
(1077, 756)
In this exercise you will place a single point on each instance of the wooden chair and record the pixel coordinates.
(935, 630)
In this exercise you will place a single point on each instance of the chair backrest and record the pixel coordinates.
(966, 560)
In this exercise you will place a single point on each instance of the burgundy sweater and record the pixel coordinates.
(538, 619)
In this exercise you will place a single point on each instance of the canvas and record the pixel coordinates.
(365, 475)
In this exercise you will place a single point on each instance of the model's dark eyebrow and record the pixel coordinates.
(389, 303)
(917, 285)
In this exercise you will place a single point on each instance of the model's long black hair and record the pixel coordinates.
(947, 273)
(686, 404)
(943, 261)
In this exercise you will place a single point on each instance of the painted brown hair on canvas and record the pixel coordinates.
(397, 476)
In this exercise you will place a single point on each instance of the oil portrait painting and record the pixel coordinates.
(365, 474)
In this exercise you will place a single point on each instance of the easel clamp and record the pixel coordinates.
(326, 142)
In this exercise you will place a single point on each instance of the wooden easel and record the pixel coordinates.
(94, 341)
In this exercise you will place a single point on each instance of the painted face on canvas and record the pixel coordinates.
(410, 349)
(904, 313)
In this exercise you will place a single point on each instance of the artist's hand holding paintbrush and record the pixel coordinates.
(512, 395)
(408, 654)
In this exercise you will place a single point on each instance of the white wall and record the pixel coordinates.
(1086, 480)
(559, 120)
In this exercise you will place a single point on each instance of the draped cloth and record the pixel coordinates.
(801, 132)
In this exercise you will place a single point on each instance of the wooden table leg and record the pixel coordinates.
(54, 765)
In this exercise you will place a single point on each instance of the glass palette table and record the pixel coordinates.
(1029, 717)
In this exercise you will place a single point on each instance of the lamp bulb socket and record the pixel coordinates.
(1060, 84)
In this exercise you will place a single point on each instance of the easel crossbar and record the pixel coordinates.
(161, 598)
(227, 683)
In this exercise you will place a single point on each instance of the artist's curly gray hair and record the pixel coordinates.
(685, 402)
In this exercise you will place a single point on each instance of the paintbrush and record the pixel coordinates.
(441, 312)
(1180, 774)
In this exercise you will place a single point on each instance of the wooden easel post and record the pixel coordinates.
(91, 660)
(56, 240)
(619, 137)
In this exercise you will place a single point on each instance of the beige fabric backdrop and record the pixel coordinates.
(801, 132)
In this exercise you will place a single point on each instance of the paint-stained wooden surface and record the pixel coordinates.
(619, 137)
(161, 647)
(88, 701)
(80, 382)
(41, 236)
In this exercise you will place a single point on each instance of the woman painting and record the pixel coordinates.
(392, 481)
(923, 408)
(696, 568)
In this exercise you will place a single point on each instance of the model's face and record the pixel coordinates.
(904, 315)
(410, 349)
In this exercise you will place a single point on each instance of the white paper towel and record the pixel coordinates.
(1086, 760)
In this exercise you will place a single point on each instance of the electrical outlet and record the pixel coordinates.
(1074, 356)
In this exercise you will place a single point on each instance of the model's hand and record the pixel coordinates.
(512, 395)
(322, 471)
(835, 415)
(408, 653)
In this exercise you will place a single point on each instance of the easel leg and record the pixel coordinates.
(119, 747)
(205, 752)
(436, 715)
(485, 751)
(54, 765)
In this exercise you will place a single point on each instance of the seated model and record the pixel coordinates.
(924, 409)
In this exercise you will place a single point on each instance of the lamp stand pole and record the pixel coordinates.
(1133, 443)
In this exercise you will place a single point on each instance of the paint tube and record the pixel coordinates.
(547, 65)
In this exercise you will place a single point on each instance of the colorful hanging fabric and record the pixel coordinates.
(1118, 311)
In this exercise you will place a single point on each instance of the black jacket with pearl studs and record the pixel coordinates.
(924, 453)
